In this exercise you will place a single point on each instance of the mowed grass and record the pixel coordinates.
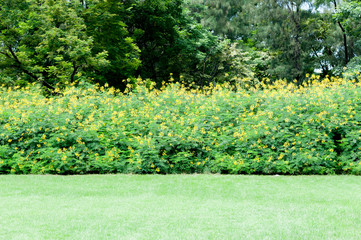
(180, 207)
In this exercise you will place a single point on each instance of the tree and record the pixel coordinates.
(280, 26)
(154, 25)
(346, 46)
(105, 24)
(225, 18)
(348, 15)
(233, 54)
(45, 41)
(200, 55)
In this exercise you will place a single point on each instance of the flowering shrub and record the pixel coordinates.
(274, 128)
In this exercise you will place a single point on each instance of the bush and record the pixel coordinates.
(267, 129)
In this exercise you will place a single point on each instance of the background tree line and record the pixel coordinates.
(55, 42)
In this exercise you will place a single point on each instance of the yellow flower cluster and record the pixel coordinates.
(271, 127)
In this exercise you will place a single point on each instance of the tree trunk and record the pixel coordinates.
(344, 37)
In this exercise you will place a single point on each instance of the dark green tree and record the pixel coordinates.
(281, 28)
(105, 24)
(226, 18)
(154, 25)
(235, 54)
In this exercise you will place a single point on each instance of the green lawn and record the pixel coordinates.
(180, 207)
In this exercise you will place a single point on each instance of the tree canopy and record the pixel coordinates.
(198, 42)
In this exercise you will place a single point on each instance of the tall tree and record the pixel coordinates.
(301, 37)
(334, 6)
(105, 24)
(45, 41)
(348, 15)
(226, 18)
(154, 25)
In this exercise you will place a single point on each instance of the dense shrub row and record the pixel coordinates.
(276, 129)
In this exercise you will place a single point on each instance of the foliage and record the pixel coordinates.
(60, 42)
(228, 19)
(104, 22)
(153, 24)
(348, 14)
(45, 41)
(302, 36)
(172, 43)
(209, 59)
(266, 129)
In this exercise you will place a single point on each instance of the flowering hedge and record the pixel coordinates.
(276, 128)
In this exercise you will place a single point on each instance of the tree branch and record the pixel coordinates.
(344, 35)
(6, 54)
(20, 64)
